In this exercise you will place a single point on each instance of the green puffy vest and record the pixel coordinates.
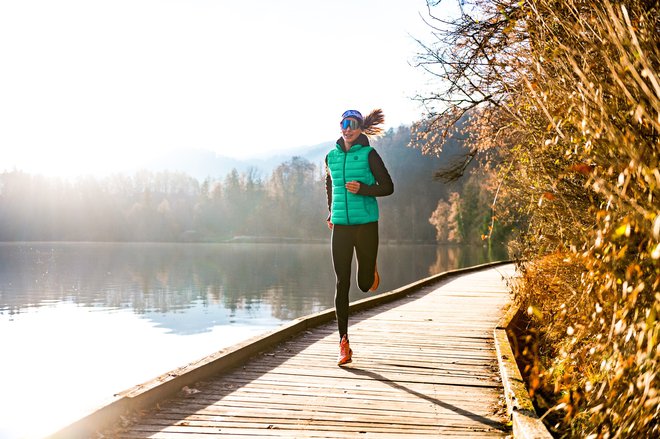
(348, 208)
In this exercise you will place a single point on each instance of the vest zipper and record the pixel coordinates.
(348, 220)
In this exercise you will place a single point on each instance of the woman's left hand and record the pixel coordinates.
(353, 186)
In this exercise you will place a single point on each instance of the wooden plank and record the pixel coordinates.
(339, 423)
(276, 431)
(366, 395)
(526, 424)
(393, 373)
(356, 405)
(216, 428)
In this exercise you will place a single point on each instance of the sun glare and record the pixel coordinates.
(71, 162)
(79, 97)
(71, 369)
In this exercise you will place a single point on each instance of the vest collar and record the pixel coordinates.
(361, 141)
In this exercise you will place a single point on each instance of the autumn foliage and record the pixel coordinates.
(563, 98)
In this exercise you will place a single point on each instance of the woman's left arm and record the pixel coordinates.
(384, 185)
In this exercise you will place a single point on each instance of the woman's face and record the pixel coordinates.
(350, 134)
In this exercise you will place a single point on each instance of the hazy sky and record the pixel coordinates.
(90, 86)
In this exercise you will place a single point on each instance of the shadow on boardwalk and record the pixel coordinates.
(486, 421)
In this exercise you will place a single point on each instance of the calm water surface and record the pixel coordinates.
(80, 322)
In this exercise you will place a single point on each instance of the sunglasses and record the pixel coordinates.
(350, 123)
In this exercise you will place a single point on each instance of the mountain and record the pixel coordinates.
(203, 164)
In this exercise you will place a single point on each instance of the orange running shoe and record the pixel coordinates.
(376, 280)
(345, 352)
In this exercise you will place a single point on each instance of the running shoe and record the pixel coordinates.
(345, 352)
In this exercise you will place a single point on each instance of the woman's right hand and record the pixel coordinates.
(330, 225)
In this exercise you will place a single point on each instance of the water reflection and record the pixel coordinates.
(158, 281)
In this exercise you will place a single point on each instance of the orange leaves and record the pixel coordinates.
(581, 168)
(546, 196)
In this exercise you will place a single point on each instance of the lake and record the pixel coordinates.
(80, 322)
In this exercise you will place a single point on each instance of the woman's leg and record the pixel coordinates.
(366, 249)
(342, 256)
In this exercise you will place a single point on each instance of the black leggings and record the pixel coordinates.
(364, 239)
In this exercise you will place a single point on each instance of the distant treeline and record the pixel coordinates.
(170, 206)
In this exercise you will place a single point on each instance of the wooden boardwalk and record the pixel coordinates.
(424, 365)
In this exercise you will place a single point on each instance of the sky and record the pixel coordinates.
(91, 87)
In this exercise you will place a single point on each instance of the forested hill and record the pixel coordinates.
(290, 202)
(405, 214)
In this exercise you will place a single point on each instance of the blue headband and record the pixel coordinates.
(354, 114)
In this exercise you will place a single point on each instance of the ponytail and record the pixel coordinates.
(369, 126)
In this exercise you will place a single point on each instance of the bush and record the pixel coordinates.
(565, 101)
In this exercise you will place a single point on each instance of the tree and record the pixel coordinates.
(563, 98)
(446, 219)
(406, 212)
(440, 220)
(298, 204)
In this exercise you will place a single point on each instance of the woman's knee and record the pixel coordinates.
(365, 282)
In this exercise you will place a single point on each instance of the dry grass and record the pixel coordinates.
(585, 382)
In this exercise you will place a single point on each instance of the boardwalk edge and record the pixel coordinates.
(526, 423)
(148, 395)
